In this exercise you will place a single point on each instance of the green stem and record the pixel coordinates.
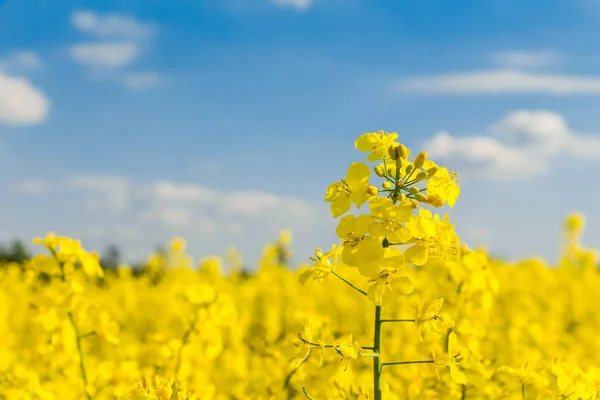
(407, 177)
(327, 346)
(407, 362)
(78, 336)
(330, 346)
(80, 351)
(184, 341)
(377, 360)
(523, 390)
(369, 355)
(348, 283)
(306, 394)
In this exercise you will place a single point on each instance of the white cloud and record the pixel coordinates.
(526, 59)
(296, 4)
(20, 102)
(116, 191)
(112, 55)
(209, 212)
(250, 202)
(205, 226)
(488, 157)
(176, 216)
(519, 146)
(505, 81)
(110, 25)
(121, 40)
(140, 215)
(546, 132)
(141, 80)
(246, 202)
(186, 192)
(33, 186)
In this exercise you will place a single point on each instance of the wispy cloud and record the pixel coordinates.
(120, 42)
(502, 81)
(300, 5)
(519, 146)
(112, 193)
(526, 58)
(33, 187)
(183, 192)
(113, 55)
(21, 60)
(110, 25)
(142, 80)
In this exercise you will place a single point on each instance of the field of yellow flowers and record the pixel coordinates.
(398, 309)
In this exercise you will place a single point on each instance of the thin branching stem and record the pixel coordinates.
(80, 352)
(327, 346)
(306, 394)
(78, 336)
(184, 341)
(350, 284)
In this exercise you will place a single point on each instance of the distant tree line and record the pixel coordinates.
(17, 252)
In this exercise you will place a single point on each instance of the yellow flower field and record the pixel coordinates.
(399, 308)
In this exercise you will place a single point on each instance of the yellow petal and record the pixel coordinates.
(358, 173)
(416, 254)
(457, 375)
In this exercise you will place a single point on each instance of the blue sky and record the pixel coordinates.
(223, 122)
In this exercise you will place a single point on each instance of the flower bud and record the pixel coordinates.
(372, 190)
(390, 172)
(378, 170)
(386, 185)
(402, 197)
(393, 152)
(431, 172)
(398, 163)
(409, 169)
(436, 201)
(420, 159)
(421, 197)
(403, 151)
(413, 190)
(414, 203)
(421, 176)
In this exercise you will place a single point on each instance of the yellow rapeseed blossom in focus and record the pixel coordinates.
(388, 286)
(323, 264)
(352, 190)
(443, 187)
(376, 143)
